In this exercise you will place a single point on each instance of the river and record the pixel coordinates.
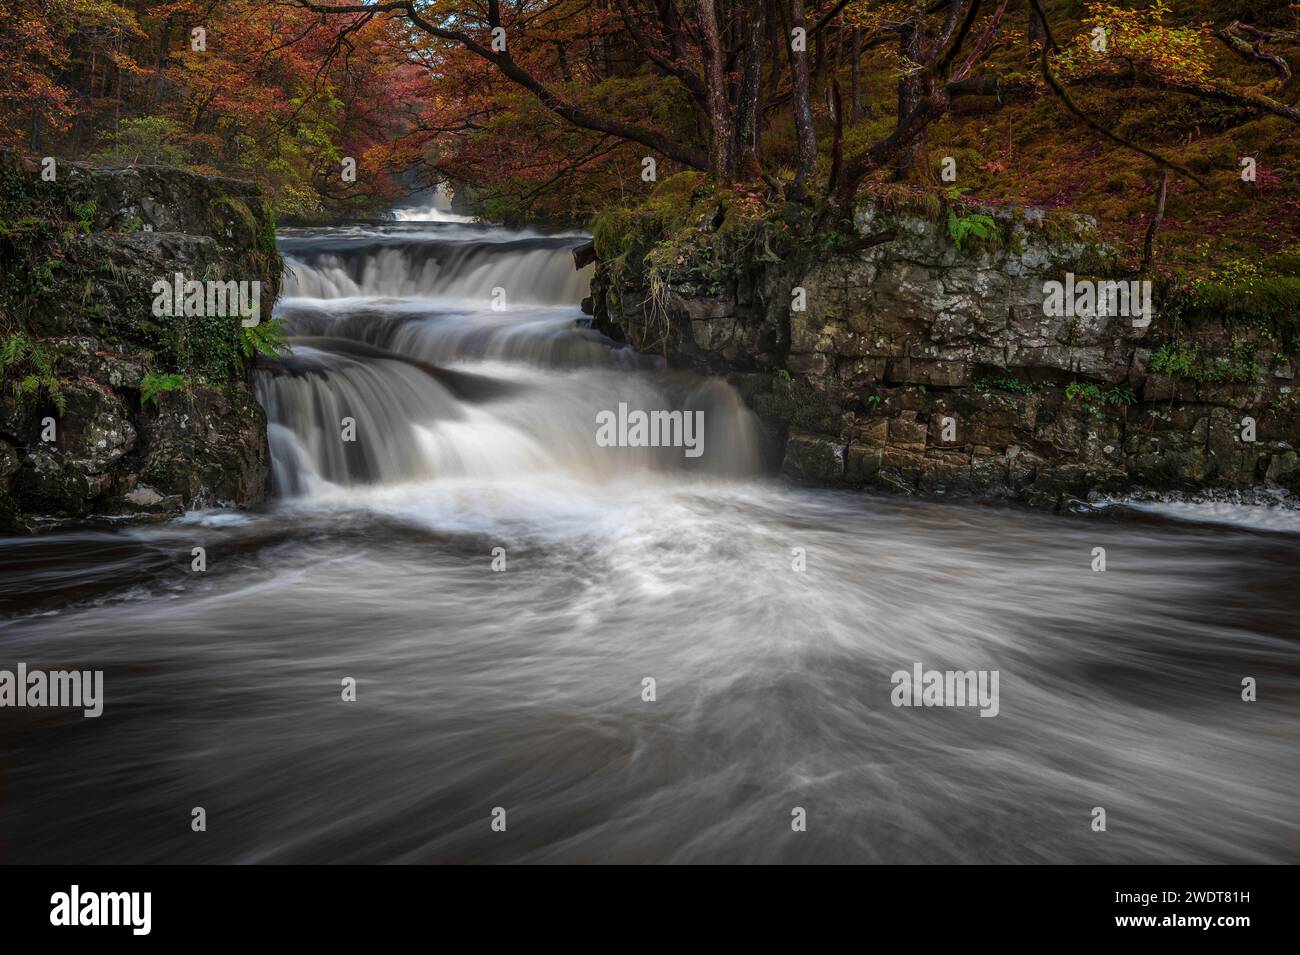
(501, 587)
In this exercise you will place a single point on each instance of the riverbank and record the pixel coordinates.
(932, 360)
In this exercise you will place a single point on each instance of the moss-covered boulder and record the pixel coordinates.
(107, 408)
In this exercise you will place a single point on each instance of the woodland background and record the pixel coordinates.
(555, 131)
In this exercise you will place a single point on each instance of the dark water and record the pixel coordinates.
(522, 689)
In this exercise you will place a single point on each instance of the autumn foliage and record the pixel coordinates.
(548, 110)
(266, 97)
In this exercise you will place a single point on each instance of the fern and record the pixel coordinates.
(977, 224)
(264, 338)
(33, 370)
(12, 350)
(1173, 359)
(1094, 397)
(85, 213)
(153, 385)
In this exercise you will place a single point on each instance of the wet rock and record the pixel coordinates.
(862, 463)
(1283, 469)
(988, 471)
(906, 432)
(815, 458)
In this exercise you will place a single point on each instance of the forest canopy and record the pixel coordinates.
(550, 111)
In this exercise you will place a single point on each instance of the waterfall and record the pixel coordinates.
(433, 207)
(463, 265)
(433, 352)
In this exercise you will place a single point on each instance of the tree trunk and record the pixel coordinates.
(164, 41)
(777, 20)
(927, 111)
(1149, 244)
(912, 89)
(721, 163)
(802, 103)
(748, 116)
(819, 55)
(856, 109)
(1037, 29)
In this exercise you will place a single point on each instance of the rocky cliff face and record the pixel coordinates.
(108, 409)
(921, 366)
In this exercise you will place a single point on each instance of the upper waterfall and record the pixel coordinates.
(427, 352)
(443, 261)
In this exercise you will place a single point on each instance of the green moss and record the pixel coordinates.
(264, 238)
(1258, 294)
(610, 232)
(665, 211)
(688, 237)
(1263, 299)
(230, 207)
(1122, 183)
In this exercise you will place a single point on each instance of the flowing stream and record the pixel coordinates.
(473, 385)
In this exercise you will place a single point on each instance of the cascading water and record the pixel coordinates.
(458, 353)
(433, 206)
(641, 655)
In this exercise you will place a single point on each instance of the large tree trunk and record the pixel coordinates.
(721, 162)
(802, 103)
(776, 16)
(1037, 29)
(748, 117)
(164, 42)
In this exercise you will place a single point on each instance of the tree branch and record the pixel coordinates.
(555, 102)
(1148, 245)
(1251, 52)
(1087, 120)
